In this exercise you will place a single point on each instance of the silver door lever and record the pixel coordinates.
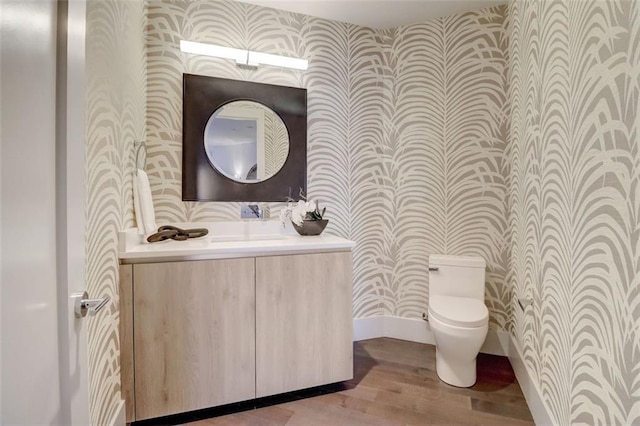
(83, 305)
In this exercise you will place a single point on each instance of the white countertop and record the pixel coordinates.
(228, 240)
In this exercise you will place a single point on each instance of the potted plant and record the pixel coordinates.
(305, 215)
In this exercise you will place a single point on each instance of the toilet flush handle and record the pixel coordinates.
(433, 269)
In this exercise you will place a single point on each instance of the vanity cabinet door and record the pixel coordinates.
(194, 334)
(304, 333)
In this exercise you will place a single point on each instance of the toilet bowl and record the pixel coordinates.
(459, 327)
(458, 317)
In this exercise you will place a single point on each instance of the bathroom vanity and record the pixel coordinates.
(223, 319)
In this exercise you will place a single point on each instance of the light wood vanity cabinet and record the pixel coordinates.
(304, 336)
(199, 334)
(194, 335)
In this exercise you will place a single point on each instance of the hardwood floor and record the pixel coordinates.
(395, 383)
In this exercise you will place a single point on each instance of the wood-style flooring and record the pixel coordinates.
(395, 383)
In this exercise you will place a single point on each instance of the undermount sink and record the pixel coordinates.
(232, 238)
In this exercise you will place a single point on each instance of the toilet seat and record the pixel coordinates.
(459, 311)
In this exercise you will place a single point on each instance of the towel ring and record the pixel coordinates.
(138, 146)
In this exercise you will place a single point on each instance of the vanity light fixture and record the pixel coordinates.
(243, 57)
(239, 55)
(258, 58)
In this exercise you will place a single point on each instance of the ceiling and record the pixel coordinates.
(381, 14)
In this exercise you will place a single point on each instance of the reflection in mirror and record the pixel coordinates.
(246, 141)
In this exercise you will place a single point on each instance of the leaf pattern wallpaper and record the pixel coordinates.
(116, 74)
(404, 149)
(276, 144)
(510, 133)
(448, 171)
(574, 196)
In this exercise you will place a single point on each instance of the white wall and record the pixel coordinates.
(1, 14)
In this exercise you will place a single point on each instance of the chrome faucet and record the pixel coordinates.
(251, 211)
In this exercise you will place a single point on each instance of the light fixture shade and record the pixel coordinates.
(259, 58)
(239, 55)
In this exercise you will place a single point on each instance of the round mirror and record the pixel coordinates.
(246, 141)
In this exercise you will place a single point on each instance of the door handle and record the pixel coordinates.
(83, 305)
(433, 269)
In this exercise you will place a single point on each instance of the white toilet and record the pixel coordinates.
(458, 317)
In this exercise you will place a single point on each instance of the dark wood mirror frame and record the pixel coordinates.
(202, 96)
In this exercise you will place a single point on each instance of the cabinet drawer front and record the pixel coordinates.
(304, 334)
(194, 334)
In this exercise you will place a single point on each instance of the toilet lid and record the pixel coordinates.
(459, 311)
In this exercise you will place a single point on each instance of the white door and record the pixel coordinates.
(43, 359)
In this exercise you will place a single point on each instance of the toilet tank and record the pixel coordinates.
(458, 276)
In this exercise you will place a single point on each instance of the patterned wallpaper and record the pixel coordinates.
(115, 118)
(407, 133)
(276, 144)
(407, 149)
(574, 195)
(448, 171)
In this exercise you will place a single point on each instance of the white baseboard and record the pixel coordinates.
(539, 410)
(368, 328)
(418, 330)
(119, 418)
(411, 329)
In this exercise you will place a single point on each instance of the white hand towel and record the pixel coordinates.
(136, 206)
(145, 215)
